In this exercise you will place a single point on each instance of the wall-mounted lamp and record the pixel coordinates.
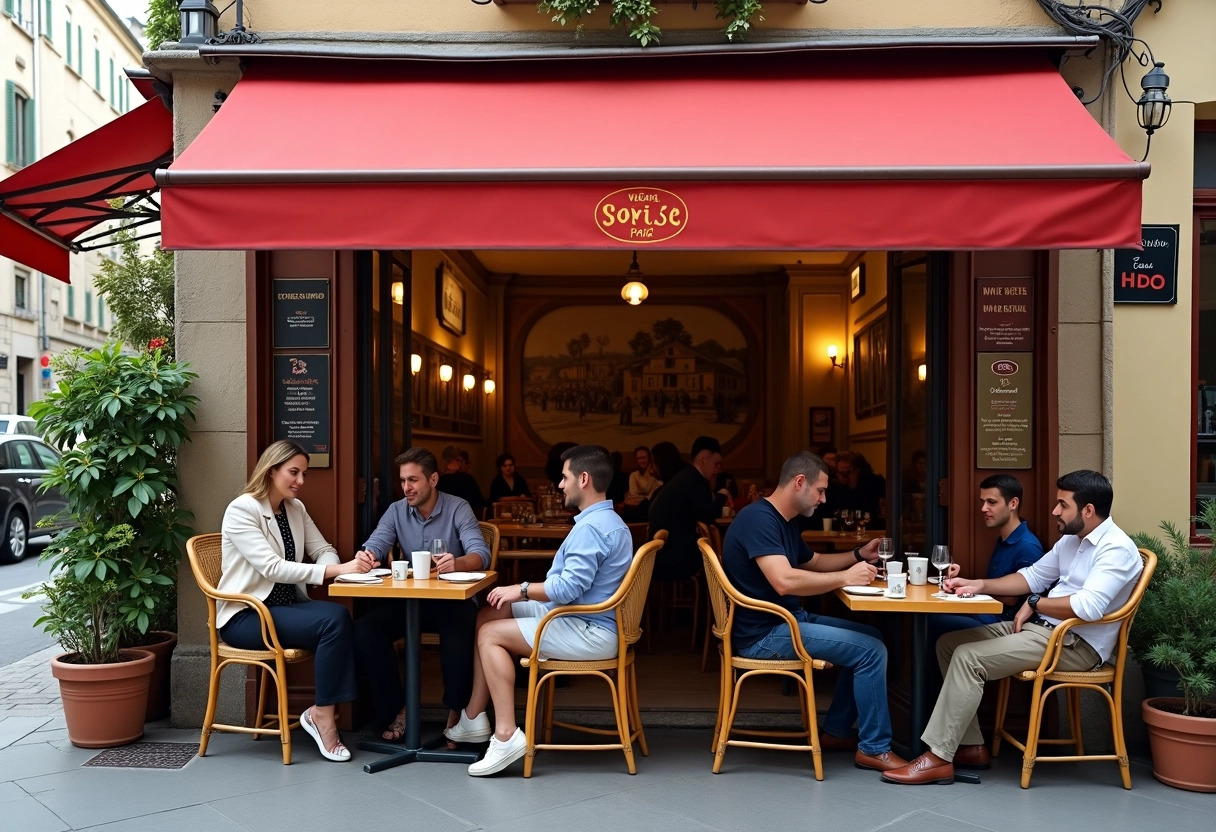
(921, 372)
(1153, 108)
(398, 292)
(415, 363)
(445, 372)
(468, 382)
(834, 354)
(635, 291)
(198, 19)
(488, 384)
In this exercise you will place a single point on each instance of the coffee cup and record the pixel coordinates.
(827, 524)
(401, 569)
(918, 571)
(895, 567)
(420, 561)
(897, 586)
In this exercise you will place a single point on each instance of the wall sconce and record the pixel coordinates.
(399, 294)
(488, 384)
(837, 362)
(1153, 108)
(921, 372)
(468, 382)
(415, 363)
(198, 19)
(445, 372)
(635, 291)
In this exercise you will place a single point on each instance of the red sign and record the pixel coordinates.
(641, 215)
(1004, 314)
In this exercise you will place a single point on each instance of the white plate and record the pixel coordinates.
(864, 590)
(357, 578)
(379, 572)
(461, 577)
(933, 579)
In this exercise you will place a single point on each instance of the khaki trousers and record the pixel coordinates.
(971, 657)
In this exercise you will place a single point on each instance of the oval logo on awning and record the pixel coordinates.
(1005, 368)
(641, 215)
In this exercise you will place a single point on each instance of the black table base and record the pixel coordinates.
(430, 752)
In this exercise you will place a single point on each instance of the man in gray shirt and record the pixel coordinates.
(412, 523)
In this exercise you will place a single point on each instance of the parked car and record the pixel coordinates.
(24, 461)
(11, 423)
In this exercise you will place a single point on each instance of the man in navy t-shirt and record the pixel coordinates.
(765, 558)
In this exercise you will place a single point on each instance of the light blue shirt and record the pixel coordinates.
(591, 562)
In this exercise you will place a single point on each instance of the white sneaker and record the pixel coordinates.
(477, 729)
(500, 754)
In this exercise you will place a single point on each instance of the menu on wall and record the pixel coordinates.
(301, 313)
(302, 411)
(1004, 313)
(1004, 410)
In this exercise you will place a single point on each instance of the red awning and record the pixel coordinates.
(48, 208)
(855, 150)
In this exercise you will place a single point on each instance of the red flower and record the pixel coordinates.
(156, 343)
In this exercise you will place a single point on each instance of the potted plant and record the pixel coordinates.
(637, 14)
(1175, 629)
(119, 420)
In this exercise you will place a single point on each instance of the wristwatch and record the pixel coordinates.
(857, 554)
(1033, 601)
(523, 590)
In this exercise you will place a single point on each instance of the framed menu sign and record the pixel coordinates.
(449, 299)
(1149, 275)
(301, 313)
(1004, 313)
(302, 404)
(1004, 412)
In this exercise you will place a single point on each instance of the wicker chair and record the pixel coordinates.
(204, 553)
(619, 672)
(724, 599)
(1073, 682)
(490, 532)
(710, 532)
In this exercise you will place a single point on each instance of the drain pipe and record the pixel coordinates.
(43, 338)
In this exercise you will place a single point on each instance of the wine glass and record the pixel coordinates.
(863, 520)
(940, 559)
(886, 549)
(847, 517)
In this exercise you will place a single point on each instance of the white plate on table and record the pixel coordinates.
(379, 572)
(933, 579)
(864, 590)
(357, 578)
(461, 577)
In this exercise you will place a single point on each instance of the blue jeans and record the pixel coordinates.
(861, 688)
(942, 623)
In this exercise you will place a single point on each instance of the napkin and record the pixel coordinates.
(357, 578)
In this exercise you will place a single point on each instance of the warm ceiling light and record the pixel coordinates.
(921, 372)
(834, 354)
(468, 382)
(415, 363)
(489, 386)
(445, 372)
(399, 294)
(635, 291)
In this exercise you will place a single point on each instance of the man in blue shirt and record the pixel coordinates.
(425, 514)
(587, 569)
(1016, 548)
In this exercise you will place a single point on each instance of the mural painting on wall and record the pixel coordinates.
(626, 376)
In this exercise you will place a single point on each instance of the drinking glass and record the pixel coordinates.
(849, 520)
(940, 559)
(886, 548)
(439, 546)
(863, 520)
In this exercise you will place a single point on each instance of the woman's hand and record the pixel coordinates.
(360, 563)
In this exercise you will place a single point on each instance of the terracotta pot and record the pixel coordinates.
(104, 704)
(161, 645)
(1184, 747)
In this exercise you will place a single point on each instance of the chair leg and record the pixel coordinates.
(621, 707)
(726, 724)
(549, 690)
(1002, 703)
(213, 690)
(724, 677)
(530, 719)
(1032, 732)
(636, 711)
(1074, 721)
(259, 719)
(812, 724)
(1116, 723)
(280, 683)
(708, 636)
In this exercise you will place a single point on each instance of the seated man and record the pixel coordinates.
(412, 523)
(1096, 566)
(684, 500)
(1016, 548)
(587, 569)
(765, 558)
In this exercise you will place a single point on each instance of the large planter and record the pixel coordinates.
(1184, 747)
(1159, 682)
(104, 704)
(160, 644)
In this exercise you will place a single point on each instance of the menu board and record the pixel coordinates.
(302, 404)
(301, 313)
(1004, 410)
(1004, 313)
(1149, 275)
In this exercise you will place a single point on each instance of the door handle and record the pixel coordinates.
(24, 479)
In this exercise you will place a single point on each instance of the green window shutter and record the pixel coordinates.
(101, 311)
(88, 307)
(67, 56)
(8, 8)
(71, 301)
(29, 133)
(47, 20)
(112, 99)
(79, 51)
(10, 119)
(96, 67)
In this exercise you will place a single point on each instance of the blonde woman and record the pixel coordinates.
(268, 542)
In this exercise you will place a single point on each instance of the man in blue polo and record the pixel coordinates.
(1016, 548)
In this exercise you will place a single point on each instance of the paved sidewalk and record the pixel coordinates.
(27, 687)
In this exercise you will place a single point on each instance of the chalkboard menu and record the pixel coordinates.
(1004, 413)
(301, 313)
(302, 404)
(1004, 313)
(1149, 275)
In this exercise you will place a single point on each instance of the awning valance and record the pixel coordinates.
(866, 150)
(47, 209)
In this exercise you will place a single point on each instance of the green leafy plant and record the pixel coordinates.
(119, 421)
(164, 23)
(1175, 627)
(139, 292)
(637, 14)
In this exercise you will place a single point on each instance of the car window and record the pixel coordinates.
(46, 456)
(21, 455)
(29, 428)
(3, 425)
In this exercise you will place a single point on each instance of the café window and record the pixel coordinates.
(21, 282)
(1205, 364)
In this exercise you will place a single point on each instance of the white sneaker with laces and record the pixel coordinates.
(500, 754)
(477, 729)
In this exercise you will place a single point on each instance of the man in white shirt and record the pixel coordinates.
(1096, 566)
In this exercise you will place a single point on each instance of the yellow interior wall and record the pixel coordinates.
(861, 312)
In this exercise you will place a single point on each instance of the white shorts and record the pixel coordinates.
(568, 637)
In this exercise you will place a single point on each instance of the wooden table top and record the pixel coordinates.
(547, 531)
(920, 599)
(818, 535)
(410, 588)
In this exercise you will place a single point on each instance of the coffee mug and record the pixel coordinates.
(918, 571)
(420, 561)
(897, 586)
(827, 524)
(895, 567)
(401, 569)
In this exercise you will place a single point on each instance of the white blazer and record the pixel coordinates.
(253, 560)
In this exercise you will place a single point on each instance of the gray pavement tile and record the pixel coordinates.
(190, 819)
(610, 813)
(24, 813)
(56, 737)
(14, 728)
(355, 801)
(23, 761)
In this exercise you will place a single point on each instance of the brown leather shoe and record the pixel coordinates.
(885, 761)
(923, 770)
(831, 742)
(973, 757)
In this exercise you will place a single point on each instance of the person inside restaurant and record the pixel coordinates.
(587, 569)
(1090, 572)
(765, 558)
(424, 515)
(458, 482)
(635, 508)
(271, 549)
(507, 482)
(686, 499)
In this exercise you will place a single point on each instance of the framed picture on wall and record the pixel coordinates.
(870, 369)
(857, 281)
(823, 426)
(449, 299)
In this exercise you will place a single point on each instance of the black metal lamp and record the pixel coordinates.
(200, 19)
(1153, 108)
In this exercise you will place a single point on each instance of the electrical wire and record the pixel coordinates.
(1114, 26)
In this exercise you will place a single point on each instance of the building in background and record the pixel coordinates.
(62, 65)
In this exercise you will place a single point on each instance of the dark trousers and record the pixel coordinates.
(321, 626)
(384, 623)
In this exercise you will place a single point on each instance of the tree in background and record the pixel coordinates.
(164, 23)
(139, 292)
